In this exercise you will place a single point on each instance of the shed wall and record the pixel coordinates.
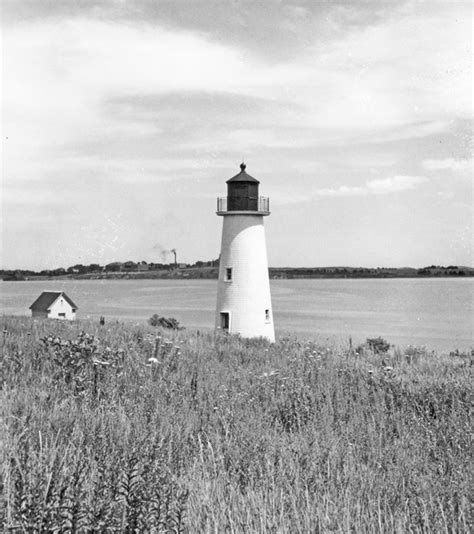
(61, 306)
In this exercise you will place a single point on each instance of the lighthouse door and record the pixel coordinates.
(225, 321)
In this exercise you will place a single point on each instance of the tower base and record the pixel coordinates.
(243, 292)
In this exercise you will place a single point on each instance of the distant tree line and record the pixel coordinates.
(439, 270)
(208, 269)
(95, 268)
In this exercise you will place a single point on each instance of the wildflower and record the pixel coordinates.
(100, 362)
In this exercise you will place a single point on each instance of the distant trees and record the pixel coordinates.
(113, 267)
(439, 270)
(129, 266)
(212, 263)
(207, 269)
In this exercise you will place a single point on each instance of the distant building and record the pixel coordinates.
(54, 305)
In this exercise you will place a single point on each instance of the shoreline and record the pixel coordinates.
(333, 340)
(185, 275)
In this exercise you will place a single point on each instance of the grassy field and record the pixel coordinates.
(127, 428)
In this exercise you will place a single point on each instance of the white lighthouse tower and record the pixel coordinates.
(243, 293)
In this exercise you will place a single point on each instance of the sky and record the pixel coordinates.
(122, 121)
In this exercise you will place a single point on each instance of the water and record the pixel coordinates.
(436, 313)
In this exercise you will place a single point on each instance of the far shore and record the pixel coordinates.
(285, 273)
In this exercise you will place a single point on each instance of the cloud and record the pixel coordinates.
(414, 130)
(396, 74)
(270, 30)
(385, 186)
(20, 196)
(394, 184)
(108, 100)
(448, 164)
(342, 191)
(402, 70)
(446, 195)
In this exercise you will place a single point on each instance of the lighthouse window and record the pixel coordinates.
(267, 316)
(228, 274)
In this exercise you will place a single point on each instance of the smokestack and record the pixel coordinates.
(173, 250)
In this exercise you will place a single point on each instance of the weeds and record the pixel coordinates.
(164, 322)
(136, 429)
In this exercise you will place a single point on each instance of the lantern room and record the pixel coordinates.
(242, 195)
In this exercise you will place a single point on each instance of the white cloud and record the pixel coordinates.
(411, 68)
(342, 191)
(448, 164)
(394, 184)
(400, 72)
(411, 131)
(56, 75)
(18, 196)
(406, 76)
(446, 195)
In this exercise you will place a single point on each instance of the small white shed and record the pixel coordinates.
(54, 305)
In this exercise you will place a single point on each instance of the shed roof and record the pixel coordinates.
(243, 176)
(46, 299)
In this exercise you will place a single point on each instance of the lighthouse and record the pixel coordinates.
(243, 292)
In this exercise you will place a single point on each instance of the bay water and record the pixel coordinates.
(437, 313)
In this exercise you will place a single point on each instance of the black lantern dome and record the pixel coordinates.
(242, 192)
(242, 196)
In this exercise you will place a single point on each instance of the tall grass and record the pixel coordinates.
(122, 429)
